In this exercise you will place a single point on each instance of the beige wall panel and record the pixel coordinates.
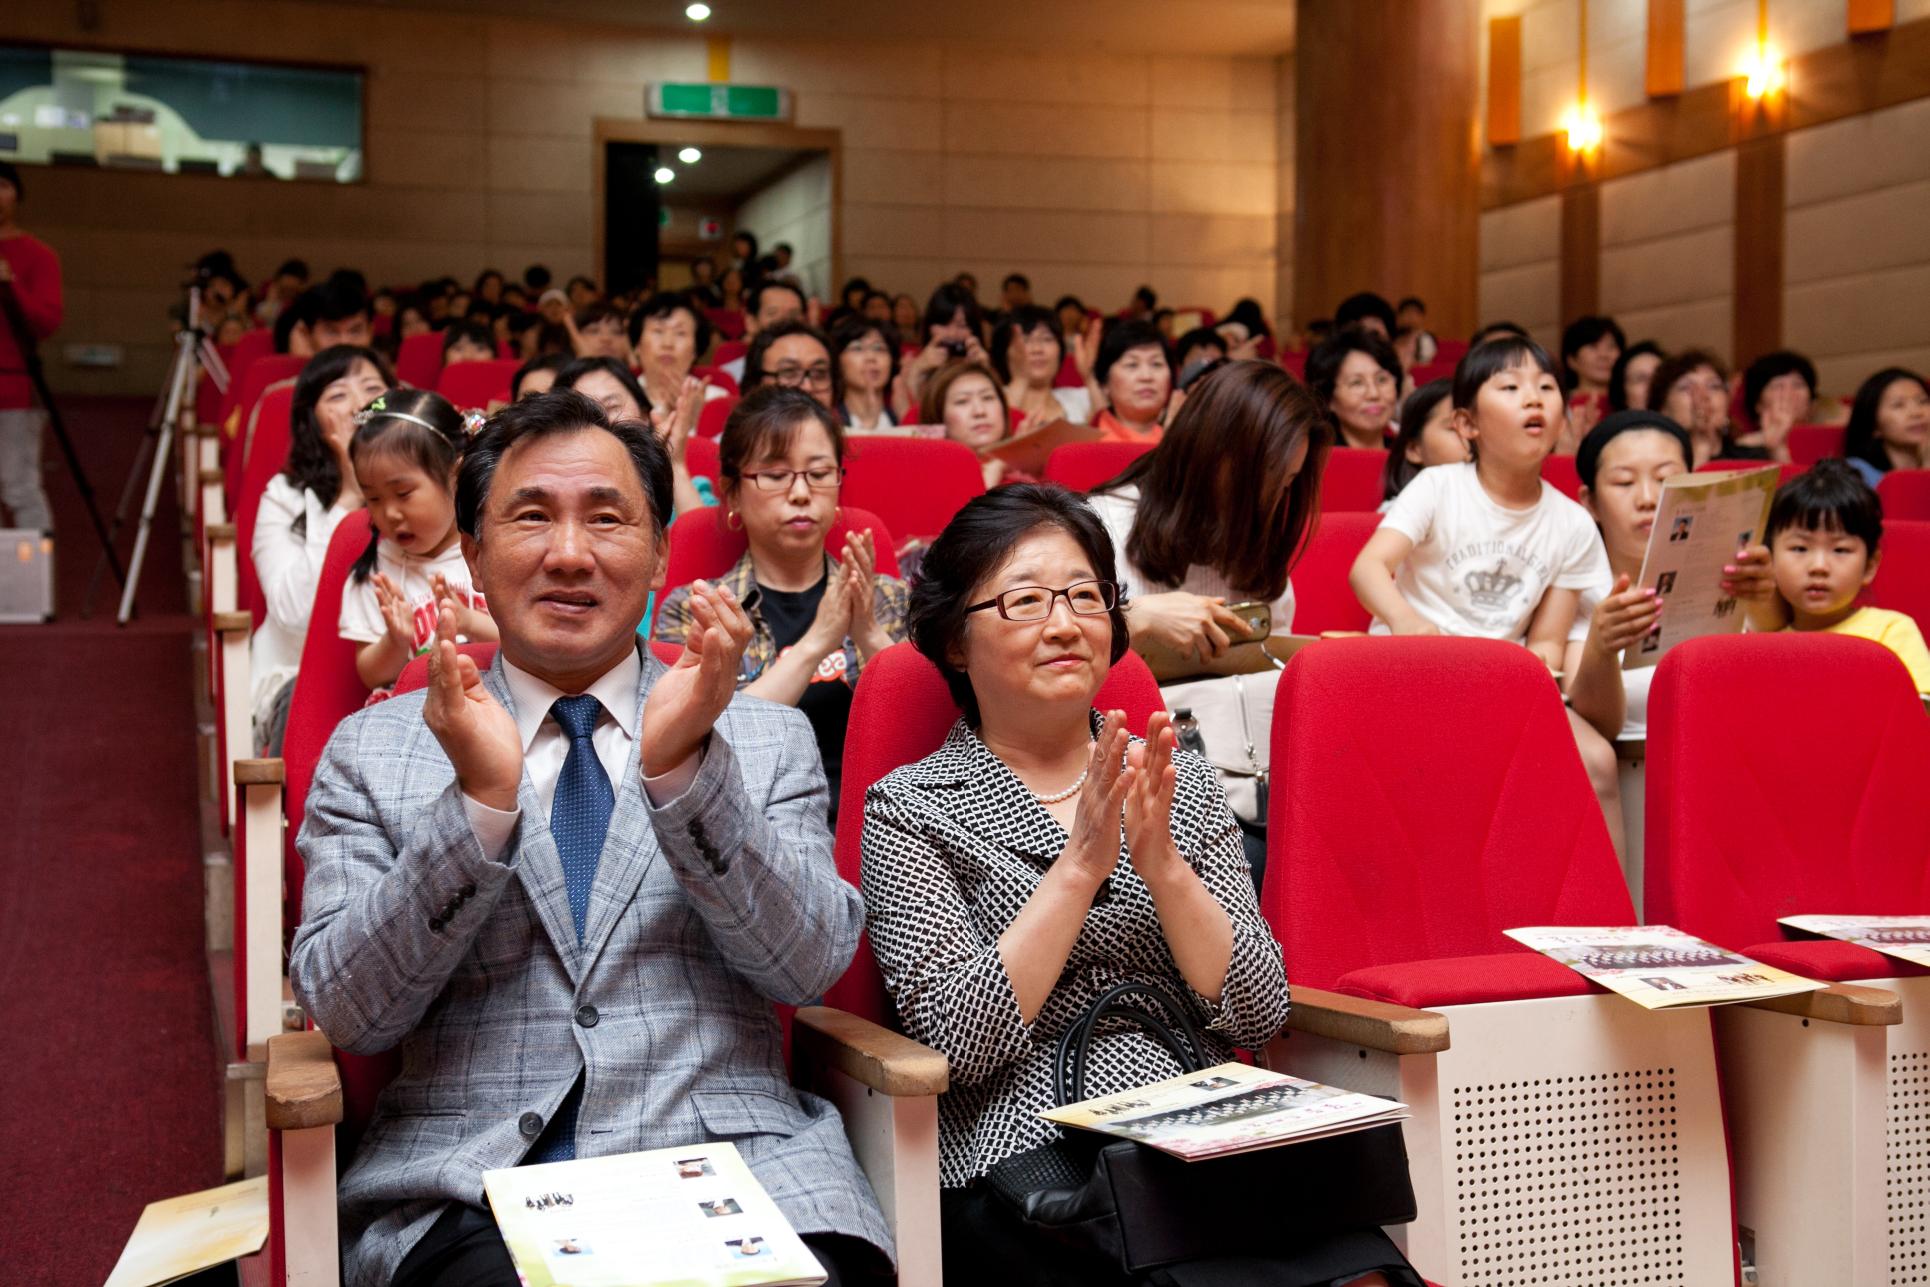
(1015, 129)
(1194, 286)
(1052, 236)
(1051, 183)
(1691, 195)
(1527, 295)
(1859, 154)
(895, 176)
(517, 163)
(1517, 235)
(1704, 324)
(1213, 239)
(866, 120)
(903, 69)
(913, 232)
(570, 54)
(991, 74)
(563, 109)
(1670, 270)
(1841, 375)
(1222, 84)
(459, 104)
(1860, 314)
(1189, 187)
(1247, 137)
(427, 158)
(538, 216)
(1889, 228)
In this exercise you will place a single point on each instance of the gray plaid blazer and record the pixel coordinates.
(704, 912)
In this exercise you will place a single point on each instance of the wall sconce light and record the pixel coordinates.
(1583, 128)
(1765, 71)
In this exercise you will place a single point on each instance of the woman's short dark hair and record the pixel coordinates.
(1674, 368)
(1121, 338)
(576, 368)
(1420, 404)
(1248, 314)
(484, 276)
(311, 465)
(1358, 307)
(945, 302)
(1019, 323)
(1588, 455)
(667, 304)
(541, 362)
(1493, 329)
(474, 332)
(1200, 337)
(1587, 330)
(973, 546)
(558, 411)
(761, 345)
(1211, 493)
(1861, 441)
(1490, 358)
(764, 423)
(849, 332)
(1757, 375)
(420, 426)
(1618, 378)
(1328, 356)
(1830, 497)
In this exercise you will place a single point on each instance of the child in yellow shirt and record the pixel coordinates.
(1824, 530)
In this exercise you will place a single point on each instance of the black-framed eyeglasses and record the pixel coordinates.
(791, 377)
(1034, 602)
(819, 478)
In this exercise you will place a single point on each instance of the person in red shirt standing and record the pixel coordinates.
(33, 270)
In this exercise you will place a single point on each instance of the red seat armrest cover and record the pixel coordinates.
(1465, 980)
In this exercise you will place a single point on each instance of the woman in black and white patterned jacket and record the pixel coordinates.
(1001, 900)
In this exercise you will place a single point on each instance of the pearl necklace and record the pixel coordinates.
(1066, 794)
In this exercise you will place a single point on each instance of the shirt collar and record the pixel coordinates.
(615, 691)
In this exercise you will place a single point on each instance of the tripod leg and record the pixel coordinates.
(157, 472)
(130, 489)
(86, 488)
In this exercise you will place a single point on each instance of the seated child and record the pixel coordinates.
(1824, 530)
(405, 451)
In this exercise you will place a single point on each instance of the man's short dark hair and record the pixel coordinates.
(1358, 307)
(1016, 279)
(558, 411)
(665, 304)
(339, 299)
(536, 277)
(756, 299)
(1410, 301)
(1756, 378)
(592, 314)
(761, 345)
(1830, 497)
(9, 173)
(293, 268)
(303, 310)
(541, 362)
(972, 547)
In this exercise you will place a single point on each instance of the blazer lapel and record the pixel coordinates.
(628, 849)
(538, 865)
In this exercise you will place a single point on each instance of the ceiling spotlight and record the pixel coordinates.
(697, 12)
(665, 174)
(690, 156)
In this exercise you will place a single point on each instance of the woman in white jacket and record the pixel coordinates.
(299, 511)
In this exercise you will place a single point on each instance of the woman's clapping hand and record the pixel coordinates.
(1093, 846)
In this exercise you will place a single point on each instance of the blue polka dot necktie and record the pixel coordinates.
(580, 813)
(579, 820)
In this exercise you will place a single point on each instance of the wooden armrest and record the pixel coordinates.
(304, 1086)
(1395, 1029)
(258, 772)
(886, 1061)
(227, 623)
(1840, 1003)
(220, 532)
(1630, 750)
(212, 477)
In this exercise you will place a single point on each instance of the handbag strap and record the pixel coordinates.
(1185, 1046)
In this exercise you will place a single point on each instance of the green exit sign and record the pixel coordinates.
(718, 102)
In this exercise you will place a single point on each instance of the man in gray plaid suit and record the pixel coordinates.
(569, 890)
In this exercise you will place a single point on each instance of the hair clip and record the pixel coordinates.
(473, 422)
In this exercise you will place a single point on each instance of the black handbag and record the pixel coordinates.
(1141, 1209)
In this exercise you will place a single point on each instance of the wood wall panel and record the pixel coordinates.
(1663, 59)
(1504, 80)
(1581, 251)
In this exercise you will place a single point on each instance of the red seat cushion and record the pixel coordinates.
(1831, 960)
(1465, 980)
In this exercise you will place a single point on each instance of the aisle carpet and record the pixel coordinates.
(110, 1084)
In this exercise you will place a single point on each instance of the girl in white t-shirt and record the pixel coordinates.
(1487, 549)
(405, 454)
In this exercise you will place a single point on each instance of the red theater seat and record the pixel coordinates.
(477, 385)
(419, 360)
(1559, 472)
(1906, 494)
(1322, 599)
(711, 418)
(914, 485)
(701, 545)
(1082, 466)
(1353, 479)
(1903, 577)
(266, 458)
(1811, 443)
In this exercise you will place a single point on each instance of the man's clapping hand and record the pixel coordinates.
(476, 732)
(685, 703)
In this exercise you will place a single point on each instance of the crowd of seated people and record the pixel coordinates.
(1023, 602)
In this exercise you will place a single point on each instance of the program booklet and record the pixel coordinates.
(1905, 937)
(1700, 523)
(1231, 1108)
(1027, 452)
(1660, 968)
(674, 1217)
(181, 1236)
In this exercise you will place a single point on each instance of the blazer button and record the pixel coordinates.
(435, 923)
(586, 1016)
(468, 891)
(530, 1124)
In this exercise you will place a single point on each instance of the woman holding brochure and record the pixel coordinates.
(1041, 856)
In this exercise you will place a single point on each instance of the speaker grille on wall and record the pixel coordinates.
(1907, 1163)
(1565, 1180)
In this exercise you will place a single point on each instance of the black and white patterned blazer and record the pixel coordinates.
(953, 847)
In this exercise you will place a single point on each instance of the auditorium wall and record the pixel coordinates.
(1092, 172)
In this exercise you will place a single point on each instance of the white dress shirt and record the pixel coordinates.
(546, 746)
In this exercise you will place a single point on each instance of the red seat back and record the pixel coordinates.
(1811, 443)
(272, 369)
(1559, 472)
(477, 384)
(1068, 376)
(718, 377)
(251, 348)
(267, 458)
(729, 351)
(1427, 795)
(1784, 474)
(711, 418)
(1295, 362)
(1427, 372)
(327, 691)
(1903, 577)
(1449, 351)
(727, 322)
(416, 674)
(1906, 494)
(914, 485)
(900, 713)
(1754, 813)
(1082, 466)
(1353, 479)
(1322, 599)
(701, 545)
(419, 360)
(701, 455)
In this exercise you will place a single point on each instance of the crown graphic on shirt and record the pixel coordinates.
(1493, 588)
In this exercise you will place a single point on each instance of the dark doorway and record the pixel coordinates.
(632, 209)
